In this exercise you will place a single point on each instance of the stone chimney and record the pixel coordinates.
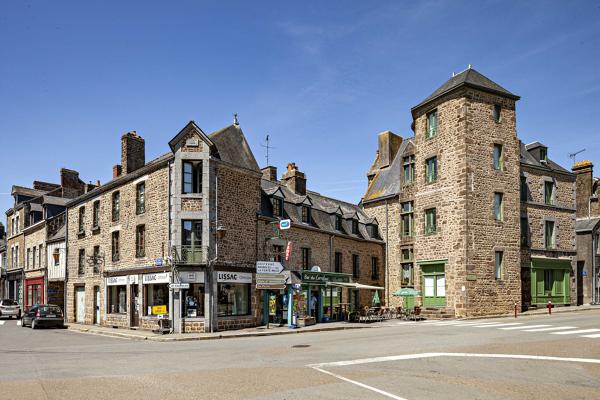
(294, 179)
(71, 184)
(45, 186)
(117, 170)
(133, 152)
(389, 144)
(2, 231)
(584, 186)
(270, 173)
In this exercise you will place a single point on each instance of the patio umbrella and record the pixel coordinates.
(406, 292)
(376, 298)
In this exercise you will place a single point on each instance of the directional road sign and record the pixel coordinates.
(268, 267)
(279, 279)
(269, 286)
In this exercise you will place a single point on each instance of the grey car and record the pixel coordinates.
(10, 308)
(43, 315)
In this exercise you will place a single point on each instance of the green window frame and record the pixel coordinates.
(430, 221)
(407, 219)
(432, 124)
(550, 234)
(431, 168)
(543, 154)
(549, 193)
(498, 154)
(498, 206)
(409, 169)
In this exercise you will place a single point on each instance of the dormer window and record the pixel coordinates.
(338, 223)
(192, 177)
(355, 227)
(543, 154)
(373, 232)
(306, 214)
(277, 207)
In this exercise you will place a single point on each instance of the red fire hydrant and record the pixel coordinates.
(549, 306)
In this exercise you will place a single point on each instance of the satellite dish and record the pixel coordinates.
(315, 268)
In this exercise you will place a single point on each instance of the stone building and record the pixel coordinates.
(450, 199)
(588, 233)
(332, 250)
(3, 261)
(184, 219)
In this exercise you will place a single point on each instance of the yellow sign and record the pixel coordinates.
(159, 310)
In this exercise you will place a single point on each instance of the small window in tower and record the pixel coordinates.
(497, 113)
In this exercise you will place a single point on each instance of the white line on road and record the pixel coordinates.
(597, 335)
(2, 323)
(362, 385)
(524, 327)
(19, 323)
(554, 328)
(575, 332)
(497, 325)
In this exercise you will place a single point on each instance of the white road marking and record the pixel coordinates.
(524, 327)
(19, 323)
(497, 325)
(362, 385)
(576, 332)
(2, 323)
(597, 335)
(554, 328)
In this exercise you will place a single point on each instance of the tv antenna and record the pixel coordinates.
(573, 155)
(267, 146)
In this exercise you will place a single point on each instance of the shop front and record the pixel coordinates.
(550, 281)
(189, 301)
(14, 285)
(234, 300)
(34, 292)
(156, 299)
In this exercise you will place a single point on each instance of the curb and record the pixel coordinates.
(555, 310)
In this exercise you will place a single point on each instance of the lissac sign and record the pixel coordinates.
(234, 277)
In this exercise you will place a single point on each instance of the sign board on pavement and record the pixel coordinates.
(179, 285)
(159, 310)
(268, 267)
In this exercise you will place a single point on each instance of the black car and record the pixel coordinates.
(43, 315)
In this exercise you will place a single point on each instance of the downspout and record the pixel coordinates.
(210, 275)
(387, 267)
(594, 272)
(66, 252)
(173, 269)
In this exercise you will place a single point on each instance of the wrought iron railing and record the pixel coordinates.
(189, 255)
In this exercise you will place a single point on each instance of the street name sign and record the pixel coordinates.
(268, 267)
(179, 285)
(263, 286)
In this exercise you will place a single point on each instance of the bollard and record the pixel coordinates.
(515, 310)
(549, 307)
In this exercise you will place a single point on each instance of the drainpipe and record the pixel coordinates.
(594, 272)
(173, 270)
(387, 269)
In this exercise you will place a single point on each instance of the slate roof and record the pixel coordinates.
(55, 201)
(25, 191)
(586, 225)
(233, 148)
(59, 235)
(528, 159)
(386, 182)
(471, 78)
(322, 210)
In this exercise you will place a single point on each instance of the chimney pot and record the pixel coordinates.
(116, 171)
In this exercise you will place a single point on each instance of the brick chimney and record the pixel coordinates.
(117, 170)
(270, 173)
(294, 179)
(133, 152)
(584, 186)
(389, 144)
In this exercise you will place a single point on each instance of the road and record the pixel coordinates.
(535, 357)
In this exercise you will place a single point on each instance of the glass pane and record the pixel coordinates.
(441, 286)
(429, 288)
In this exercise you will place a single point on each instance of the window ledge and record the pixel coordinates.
(192, 195)
(120, 315)
(95, 229)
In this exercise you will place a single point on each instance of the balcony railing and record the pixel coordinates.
(189, 255)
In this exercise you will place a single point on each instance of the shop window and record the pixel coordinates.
(306, 217)
(305, 258)
(140, 241)
(407, 218)
(499, 265)
(193, 301)
(234, 299)
(432, 124)
(430, 221)
(498, 157)
(374, 268)
(407, 278)
(115, 246)
(498, 206)
(156, 295)
(116, 206)
(192, 177)
(140, 198)
(548, 280)
(96, 214)
(409, 169)
(431, 170)
(117, 299)
(355, 266)
(338, 262)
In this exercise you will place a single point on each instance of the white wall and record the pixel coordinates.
(56, 272)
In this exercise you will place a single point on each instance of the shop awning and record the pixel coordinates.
(354, 285)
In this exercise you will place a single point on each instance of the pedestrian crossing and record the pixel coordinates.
(2, 323)
(591, 333)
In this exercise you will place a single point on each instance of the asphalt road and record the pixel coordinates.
(486, 359)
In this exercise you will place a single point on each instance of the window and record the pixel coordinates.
(191, 241)
(192, 177)
(193, 301)
(407, 278)
(498, 157)
(497, 112)
(17, 225)
(355, 266)
(549, 235)
(373, 231)
(96, 259)
(28, 258)
(355, 227)
(543, 154)
(499, 262)
(140, 241)
(81, 262)
(407, 218)
(233, 299)
(431, 170)
(524, 231)
(432, 124)
(524, 189)
(277, 253)
(498, 206)
(374, 268)
(117, 299)
(338, 262)
(338, 223)
(305, 257)
(116, 206)
(96, 214)
(81, 219)
(430, 221)
(156, 295)
(407, 254)
(549, 193)
(277, 207)
(115, 246)
(409, 169)
(140, 198)
(56, 257)
(306, 214)
(548, 280)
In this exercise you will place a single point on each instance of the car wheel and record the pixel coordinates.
(33, 324)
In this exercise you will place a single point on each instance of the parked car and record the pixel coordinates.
(43, 315)
(10, 308)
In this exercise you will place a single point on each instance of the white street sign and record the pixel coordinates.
(268, 267)
(280, 279)
(179, 285)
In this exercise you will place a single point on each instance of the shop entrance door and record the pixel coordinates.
(96, 305)
(80, 304)
(434, 285)
(134, 306)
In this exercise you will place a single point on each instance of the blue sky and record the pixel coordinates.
(321, 78)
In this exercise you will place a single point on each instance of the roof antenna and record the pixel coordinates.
(453, 74)
(267, 146)
(470, 66)
(573, 155)
(235, 119)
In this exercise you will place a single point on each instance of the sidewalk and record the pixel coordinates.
(249, 332)
(555, 310)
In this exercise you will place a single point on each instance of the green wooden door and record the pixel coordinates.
(433, 285)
